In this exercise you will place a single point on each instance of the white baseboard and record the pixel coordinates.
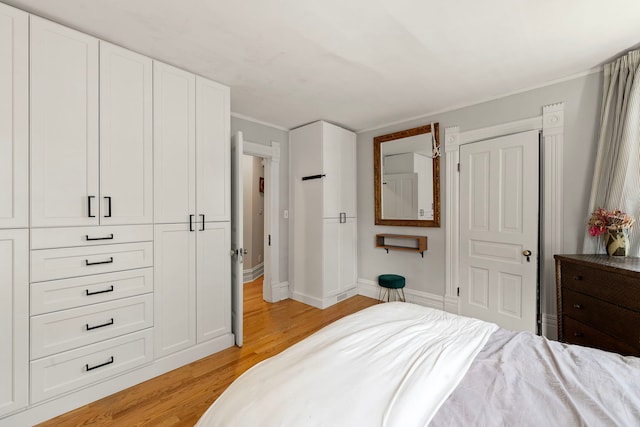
(67, 402)
(324, 302)
(251, 274)
(279, 291)
(371, 289)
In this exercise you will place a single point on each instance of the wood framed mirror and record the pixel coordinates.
(406, 171)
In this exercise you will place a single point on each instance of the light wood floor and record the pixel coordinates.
(180, 397)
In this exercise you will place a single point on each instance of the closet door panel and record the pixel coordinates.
(126, 144)
(331, 256)
(348, 254)
(64, 126)
(212, 151)
(347, 160)
(14, 118)
(14, 320)
(213, 280)
(331, 165)
(174, 144)
(174, 288)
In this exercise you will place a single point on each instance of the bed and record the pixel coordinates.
(400, 364)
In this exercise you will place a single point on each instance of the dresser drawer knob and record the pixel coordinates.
(91, 368)
(109, 323)
(578, 306)
(578, 277)
(578, 334)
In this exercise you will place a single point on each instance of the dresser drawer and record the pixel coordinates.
(64, 330)
(618, 289)
(87, 365)
(63, 294)
(615, 321)
(578, 333)
(51, 264)
(66, 237)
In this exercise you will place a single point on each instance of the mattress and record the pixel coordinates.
(400, 364)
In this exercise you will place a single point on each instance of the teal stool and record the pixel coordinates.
(388, 283)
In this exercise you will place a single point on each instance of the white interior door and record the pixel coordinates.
(499, 230)
(236, 236)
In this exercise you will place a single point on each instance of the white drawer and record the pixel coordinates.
(51, 264)
(62, 294)
(64, 330)
(87, 365)
(67, 237)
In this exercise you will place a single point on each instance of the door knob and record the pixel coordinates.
(245, 251)
(527, 253)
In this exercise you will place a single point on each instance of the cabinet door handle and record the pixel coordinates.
(191, 217)
(90, 328)
(109, 261)
(104, 291)
(577, 306)
(91, 368)
(577, 277)
(89, 206)
(108, 215)
(202, 215)
(109, 237)
(578, 334)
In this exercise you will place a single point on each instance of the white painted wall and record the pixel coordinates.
(581, 97)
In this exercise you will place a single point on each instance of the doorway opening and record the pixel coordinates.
(253, 191)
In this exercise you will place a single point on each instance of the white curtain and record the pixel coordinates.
(616, 178)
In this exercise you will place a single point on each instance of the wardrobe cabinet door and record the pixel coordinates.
(64, 126)
(14, 320)
(14, 118)
(126, 144)
(213, 142)
(213, 281)
(174, 144)
(348, 254)
(174, 285)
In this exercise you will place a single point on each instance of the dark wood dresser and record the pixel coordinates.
(599, 302)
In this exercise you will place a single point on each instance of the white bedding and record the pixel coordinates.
(392, 364)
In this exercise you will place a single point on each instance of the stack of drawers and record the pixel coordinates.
(91, 305)
(599, 302)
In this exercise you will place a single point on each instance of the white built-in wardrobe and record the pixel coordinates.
(323, 256)
(114, 218)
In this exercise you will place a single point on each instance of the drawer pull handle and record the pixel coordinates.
(109, 323)
(99, 292)
(578, 306)
(578, 334)
(109, 237)
(86, 262)
(91, 368)
(108, 206)
(578, 277)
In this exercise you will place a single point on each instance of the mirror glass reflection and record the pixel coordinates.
(407, 177)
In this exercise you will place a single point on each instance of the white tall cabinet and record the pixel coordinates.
(101, 287)
(323, 172)
(14, 234)
(192, 209)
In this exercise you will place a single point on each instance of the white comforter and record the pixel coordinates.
(392, 364)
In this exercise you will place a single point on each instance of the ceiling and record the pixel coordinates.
(361, 63)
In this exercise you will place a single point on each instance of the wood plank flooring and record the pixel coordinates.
(180, 397)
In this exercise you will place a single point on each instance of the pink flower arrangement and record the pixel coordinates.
(603, 220)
